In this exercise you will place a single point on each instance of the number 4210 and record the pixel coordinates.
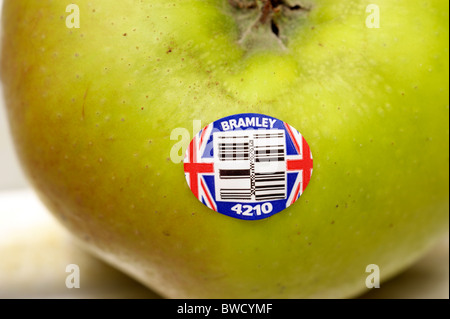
(249, 210)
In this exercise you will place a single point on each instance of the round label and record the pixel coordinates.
(248, 166)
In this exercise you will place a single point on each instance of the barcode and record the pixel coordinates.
(233, 148)
(235, 194)
(269, 153)
(270, 186)
(251, 166)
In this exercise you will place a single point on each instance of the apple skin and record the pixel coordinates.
(92, 109)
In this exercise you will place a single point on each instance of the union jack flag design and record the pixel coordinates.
(196, 167)
(300, 163)
(248, 166)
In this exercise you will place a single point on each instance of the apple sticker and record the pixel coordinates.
(248, 166)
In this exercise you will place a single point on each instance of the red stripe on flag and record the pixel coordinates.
(194, 168)
(203, 135)
(294, 140)
(305, 164)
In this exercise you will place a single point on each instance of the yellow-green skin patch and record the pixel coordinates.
(92, 110)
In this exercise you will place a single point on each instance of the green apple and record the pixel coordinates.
(92, 107)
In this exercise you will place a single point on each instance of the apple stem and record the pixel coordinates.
(268, 8)
(270, 19)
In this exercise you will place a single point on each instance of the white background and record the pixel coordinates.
(10, 174)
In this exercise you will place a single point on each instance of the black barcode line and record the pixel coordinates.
(270, 187)
(267, 146)
(269, 159)
(234, 152)
(233, 157)
(233, 145)
(233, 137)
(268, 153)
(234, 173)
(269, 135)
(243, 194)
(270, 196)
(270, 180)
(231, 150)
